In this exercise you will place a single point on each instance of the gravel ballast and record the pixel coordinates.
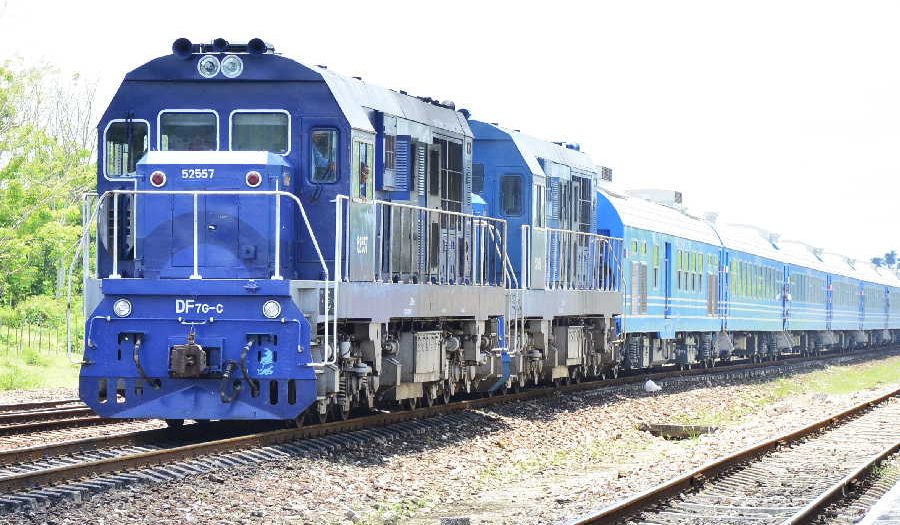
(543, 461)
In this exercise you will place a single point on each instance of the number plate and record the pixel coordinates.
(198, 173)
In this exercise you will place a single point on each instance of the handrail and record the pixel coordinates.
(398, 251)
(606, 252)
(509, 275)
(329, 355)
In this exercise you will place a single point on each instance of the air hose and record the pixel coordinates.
(136, 356)
(230, 367)
(254, 384)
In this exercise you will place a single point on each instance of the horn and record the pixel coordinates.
(256, 46)
(182, 48)
(220, 45)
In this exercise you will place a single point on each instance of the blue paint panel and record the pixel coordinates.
(224, 315)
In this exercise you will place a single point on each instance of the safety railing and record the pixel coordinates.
(565, 259)
(380, 241)
(91, 212)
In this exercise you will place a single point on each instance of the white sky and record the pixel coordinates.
(783, 114)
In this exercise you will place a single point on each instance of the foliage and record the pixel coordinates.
(45, 166)
(889, 260)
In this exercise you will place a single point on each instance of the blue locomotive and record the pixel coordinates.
(277, 241)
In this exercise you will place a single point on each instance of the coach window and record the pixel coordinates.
(655, 266)
(323, 158)
(188, 131)
(511, 195)
(125, 142)
(261, 131)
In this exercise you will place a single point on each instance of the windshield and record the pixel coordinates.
(188, 131)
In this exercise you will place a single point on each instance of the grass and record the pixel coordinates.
(840, 380)
(34, 357)
(31, 369)
(394, 512)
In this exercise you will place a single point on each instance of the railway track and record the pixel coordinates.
(36, 476)
(41, 417)
(790, 479)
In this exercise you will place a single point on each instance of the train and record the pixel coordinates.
(270, 240)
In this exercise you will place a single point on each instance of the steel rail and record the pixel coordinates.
(162, 456)
(34, 405)
(44, 415)
(644, 500)
(56, 424)
(840, 489)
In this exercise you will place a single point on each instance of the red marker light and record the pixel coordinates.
(253, 179)
(157, 179)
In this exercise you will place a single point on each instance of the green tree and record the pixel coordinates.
(890, 259)
(45, 166)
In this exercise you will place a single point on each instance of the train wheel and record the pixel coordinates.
(410, 403)
(298, 421)
(320, 417)
(340, 412)
(428, 395)
(517, 387)
(175, 423)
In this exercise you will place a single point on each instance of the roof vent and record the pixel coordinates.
(773, 239)
(449, 104)
(358, 78)
(465, 113)
(666, 197)
(573, 146)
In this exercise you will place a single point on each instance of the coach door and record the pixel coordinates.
(667, 281)
(786, 299)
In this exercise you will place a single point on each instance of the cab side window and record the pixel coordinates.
(323, 156)
(363, 157)
(511, 195)
(124, 145)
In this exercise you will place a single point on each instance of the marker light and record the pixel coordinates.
(122, 307)
(232, 66)
(208, 66)
(157, 179)
(271, 309)
(253, 179)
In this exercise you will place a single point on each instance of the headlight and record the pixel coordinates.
(122, 307)
(208, 66)
(232, 66)
(271, 309)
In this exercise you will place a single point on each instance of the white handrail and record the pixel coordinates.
(83, 243)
